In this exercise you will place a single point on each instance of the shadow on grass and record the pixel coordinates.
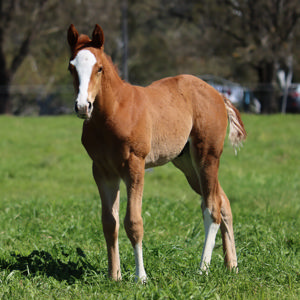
(42, 262)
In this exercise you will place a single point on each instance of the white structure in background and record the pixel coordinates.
(285, 81)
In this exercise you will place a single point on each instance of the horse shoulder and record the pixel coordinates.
(128, 127)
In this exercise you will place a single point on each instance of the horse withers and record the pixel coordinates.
(129, 128)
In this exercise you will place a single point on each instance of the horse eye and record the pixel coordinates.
(100, 69)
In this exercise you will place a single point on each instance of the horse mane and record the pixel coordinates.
(83, 42)
(83, 39)
(113, 65)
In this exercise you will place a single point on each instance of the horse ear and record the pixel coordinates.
(72, 36)
(98, 37)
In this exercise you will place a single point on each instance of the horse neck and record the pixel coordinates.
(110, 86)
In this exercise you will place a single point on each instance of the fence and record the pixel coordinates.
(59, 99)
(40, 99)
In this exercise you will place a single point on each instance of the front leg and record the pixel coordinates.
(110, 198)
(134, 179)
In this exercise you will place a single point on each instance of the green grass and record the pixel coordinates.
(51, 240)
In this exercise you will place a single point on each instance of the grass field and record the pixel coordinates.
(51, 240)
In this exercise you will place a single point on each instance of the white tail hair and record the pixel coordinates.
(237, 132)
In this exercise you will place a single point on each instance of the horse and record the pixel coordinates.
(128, 129)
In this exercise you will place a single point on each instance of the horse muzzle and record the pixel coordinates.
(83, 111)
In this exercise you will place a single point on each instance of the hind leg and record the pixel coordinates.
(184, 163)
(201, 171)
(198, 175)
(215, 206)
(211, 205)
(211, 223)
(227, 233)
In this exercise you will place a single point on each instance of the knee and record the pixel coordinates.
(134, 229)
(110, 225)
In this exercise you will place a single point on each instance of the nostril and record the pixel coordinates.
(90, 105)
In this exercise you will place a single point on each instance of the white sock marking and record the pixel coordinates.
(139, 263)
(211, 230)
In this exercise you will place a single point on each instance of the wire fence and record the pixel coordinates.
(59, 99)
(39, 99)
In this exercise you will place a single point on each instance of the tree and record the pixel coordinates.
(264, 33)
(261, 32)
(37, 30)
(13, 18)
(165, 38)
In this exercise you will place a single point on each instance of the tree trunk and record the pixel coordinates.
(265, 91)
(5, 106)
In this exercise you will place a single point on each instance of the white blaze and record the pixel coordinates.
(84, 63)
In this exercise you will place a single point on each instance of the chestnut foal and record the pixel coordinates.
(129, 128)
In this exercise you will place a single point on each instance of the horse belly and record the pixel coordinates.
(164, 150)
(172, 121)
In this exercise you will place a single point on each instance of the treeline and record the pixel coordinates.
(246, 41)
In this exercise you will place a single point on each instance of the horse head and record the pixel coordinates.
(86, 67)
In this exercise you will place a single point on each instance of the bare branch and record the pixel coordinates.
(37, 18)
(22, 53)
(6, 16)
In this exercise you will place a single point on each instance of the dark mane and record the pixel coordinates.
(83, 42)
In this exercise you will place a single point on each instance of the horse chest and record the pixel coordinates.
(107, 151)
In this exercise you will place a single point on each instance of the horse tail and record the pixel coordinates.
(237, 132)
